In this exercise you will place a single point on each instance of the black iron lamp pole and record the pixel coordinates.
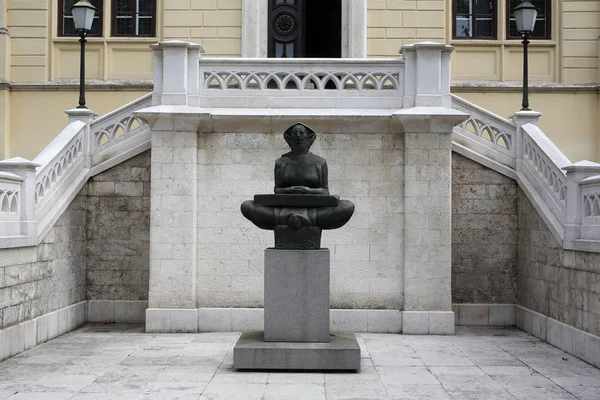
(525, 103)
(525, 15)
(83, 18)
(82, 40)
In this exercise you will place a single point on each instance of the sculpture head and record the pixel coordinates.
(299, 137)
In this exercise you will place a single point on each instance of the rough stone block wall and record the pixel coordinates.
(118, 233)
(40, 279)
(484, 234)
(562, 284)
(366, 254)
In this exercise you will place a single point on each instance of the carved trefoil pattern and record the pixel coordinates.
(9, 201)
(301, 80)
(124, 127)
(551, 175)
(487, 132)
(50, 179)
(591, 205)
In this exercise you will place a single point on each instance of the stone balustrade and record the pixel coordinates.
(565, 193)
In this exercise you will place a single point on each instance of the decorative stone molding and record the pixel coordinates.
(427, 74)
(176, 73)
(22, 172)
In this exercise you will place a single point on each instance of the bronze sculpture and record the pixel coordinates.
(301, 206)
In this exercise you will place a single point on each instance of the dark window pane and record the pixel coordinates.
(483, 7)
(69, 26)
(145, 26)
(463, 7)
(540, 29)
(124, 7)
(145, 7)
(67, 6)
(124, 26)
(485, 28)
(68, 23)
(95, 26)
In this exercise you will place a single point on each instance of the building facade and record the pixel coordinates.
(39, 53)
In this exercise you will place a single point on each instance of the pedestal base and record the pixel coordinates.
(341, 353)
(296, 295)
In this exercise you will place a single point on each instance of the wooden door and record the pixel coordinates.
(286, 28)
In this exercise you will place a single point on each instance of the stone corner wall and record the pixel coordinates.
(40, 279)
(484, 234)
(118, 231)
(562, 284)
(98, 249)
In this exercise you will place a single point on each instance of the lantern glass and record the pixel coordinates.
(83, 15)
(525, 16)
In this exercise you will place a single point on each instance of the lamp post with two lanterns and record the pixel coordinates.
(83, 17)
(525, 15)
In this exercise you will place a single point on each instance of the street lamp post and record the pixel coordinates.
(525, 15)
(83, 17)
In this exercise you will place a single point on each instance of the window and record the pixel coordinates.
(133, 17)
(66, 26)
(474, 19)
(541, 30)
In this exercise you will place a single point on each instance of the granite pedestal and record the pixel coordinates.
(296, 295)
(296, 335)
(341, 353)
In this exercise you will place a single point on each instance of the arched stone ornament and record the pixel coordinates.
(255, 29)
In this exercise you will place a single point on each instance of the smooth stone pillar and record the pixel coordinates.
(296, 295)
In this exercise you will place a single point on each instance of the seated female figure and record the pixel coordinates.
(299, 172)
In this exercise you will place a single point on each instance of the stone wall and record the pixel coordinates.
(562, 284)
(39, 279)
(118, 216)
(484, 234)
(366, 254)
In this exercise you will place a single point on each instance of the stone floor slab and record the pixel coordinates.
(121, 362)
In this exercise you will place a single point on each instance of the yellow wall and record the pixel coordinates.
(215, 24)
(570, 120)
(35, 53)
(581, 28)
(28, 27)
(4, 123)
(37, 117)
(393, 23)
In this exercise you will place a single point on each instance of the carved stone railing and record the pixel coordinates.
(182, 77)
(118, 135)
(486, 133)
(569, 202)
(10, 207)
(590, 211)
(541, 165)
(31, 201)
(60, 163)
(567, 195)
(290, 83)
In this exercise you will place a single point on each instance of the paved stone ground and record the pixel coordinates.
(122, 362)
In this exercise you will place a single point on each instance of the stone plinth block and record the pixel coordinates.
(341, 353)
(296, 295)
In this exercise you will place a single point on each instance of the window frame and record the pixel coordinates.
(61, 20)
(113, 21)
(474, 37)
(547, 36)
